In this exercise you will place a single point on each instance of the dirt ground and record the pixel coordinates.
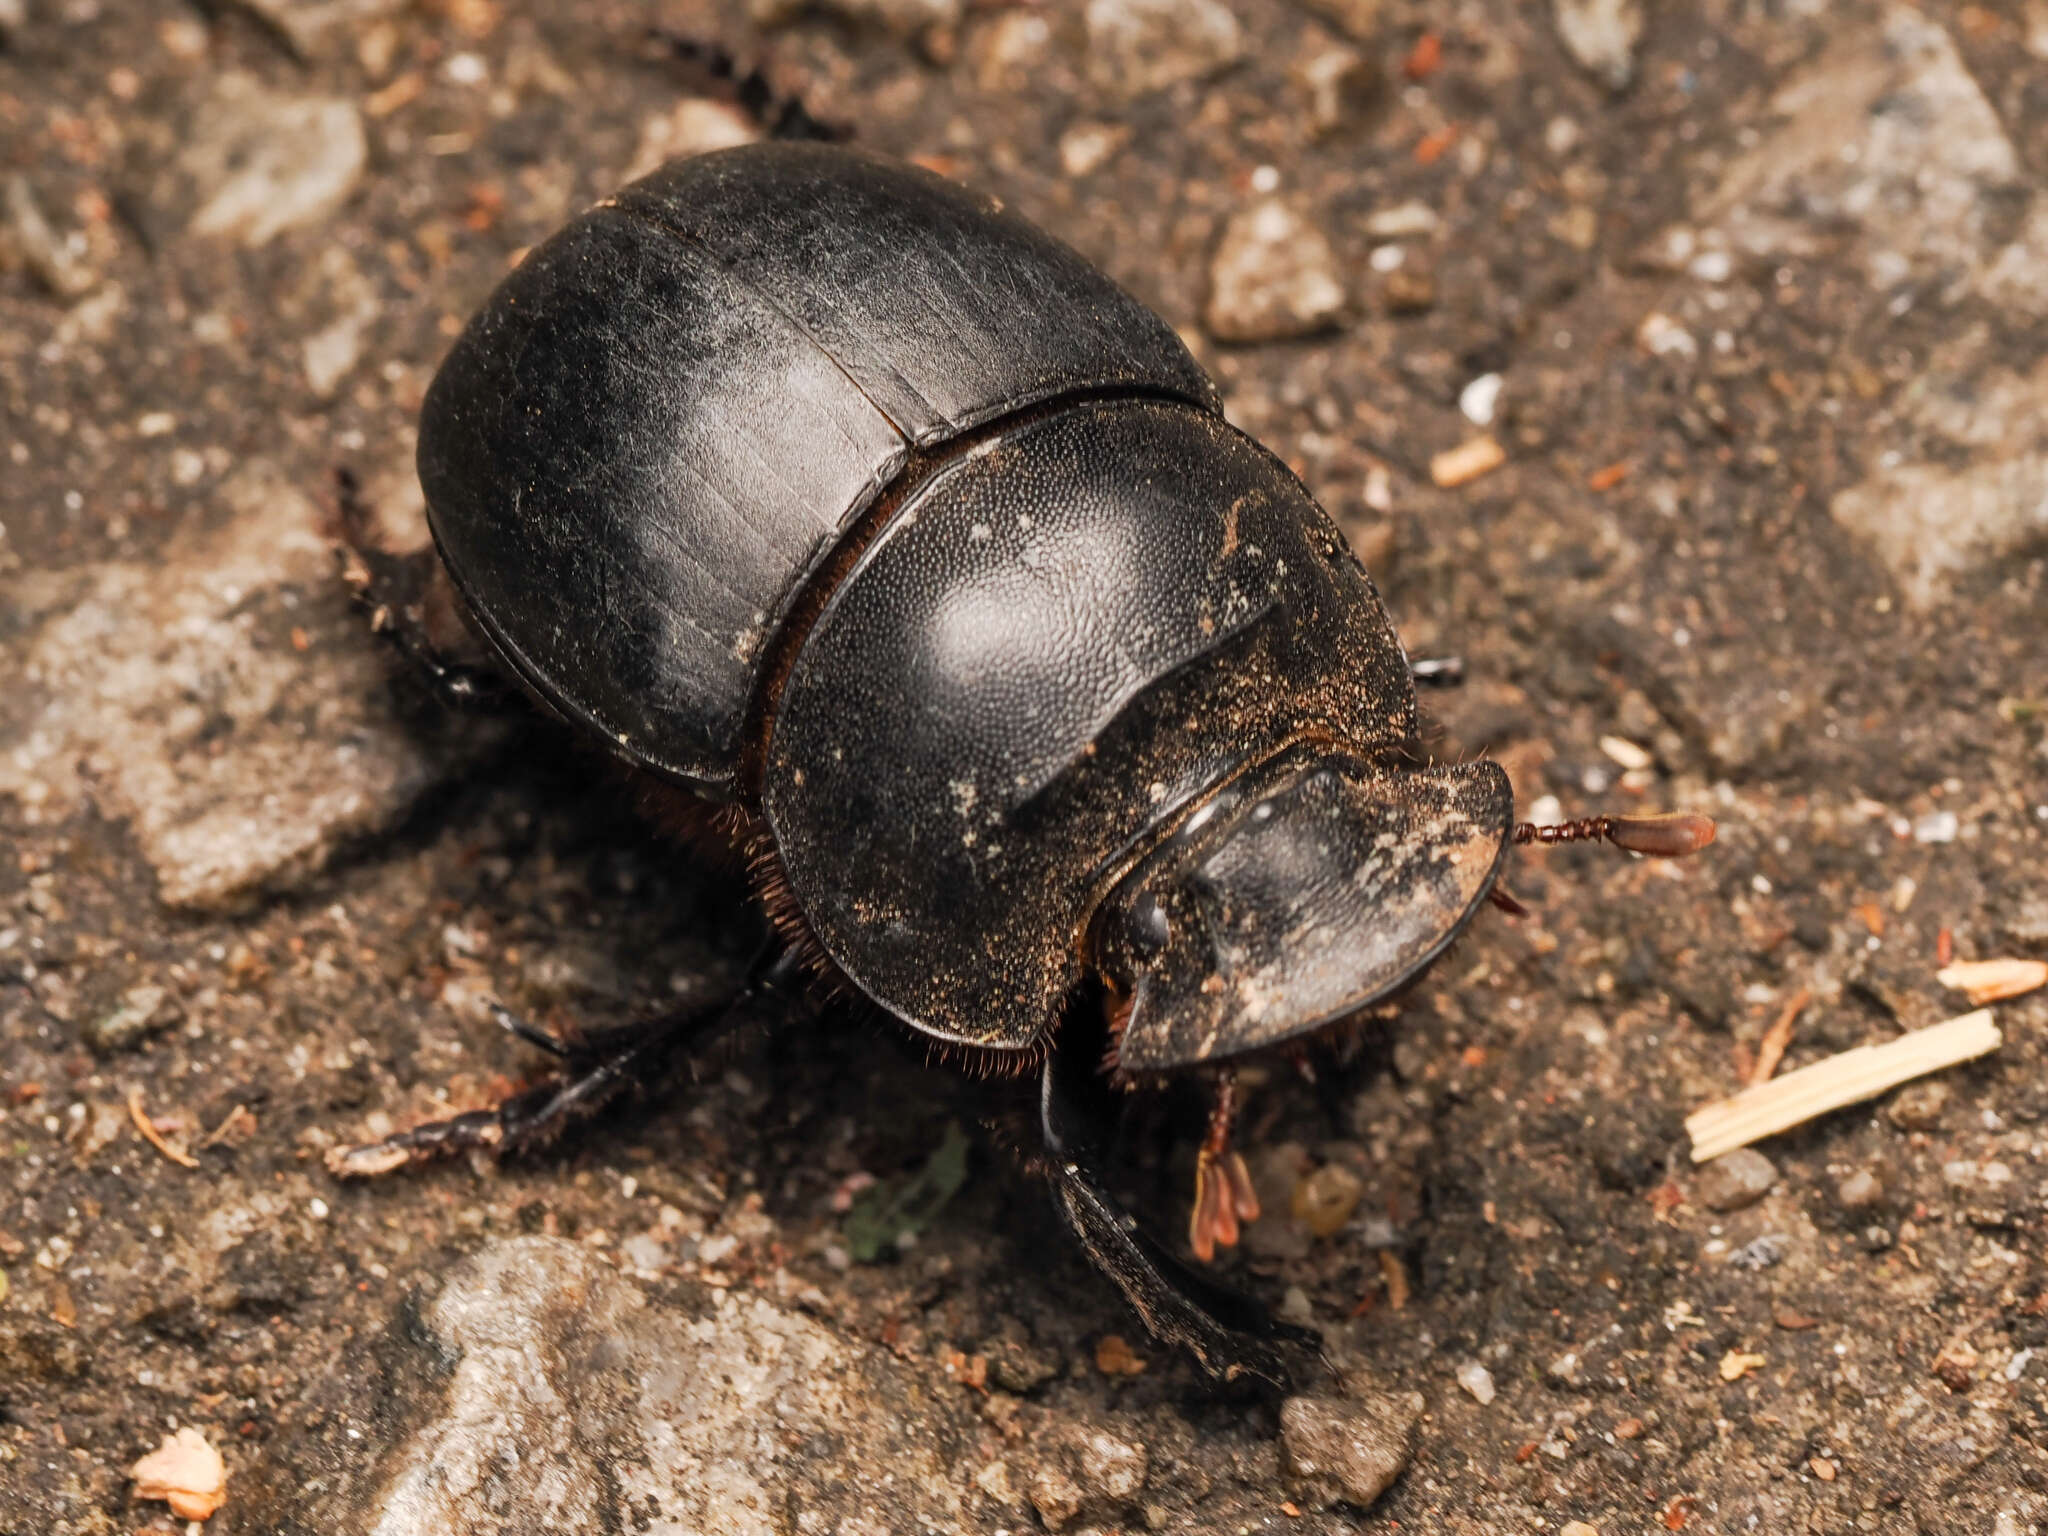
(1753, 301)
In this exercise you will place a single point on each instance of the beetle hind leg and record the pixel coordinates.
(1229, 1335)
(596, 1070)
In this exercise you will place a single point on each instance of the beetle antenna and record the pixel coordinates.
(1668, 836)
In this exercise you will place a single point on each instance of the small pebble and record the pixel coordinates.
(1601, 37)
(1403, 221)
(1274, 277)
(1936, 827)
(1342, 87)
(1578, 1528)
(1326, 1198)
(1055, 1495)
(1762, 1253)
(1087, 147)
(1112, 1468)
(1661, 336)
(1478, 1380)
(1859, 1191)
(1918, 1106)
(1409, 289)
(1739, 1178)
(1360, 1445)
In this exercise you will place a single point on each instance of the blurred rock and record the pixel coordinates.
(142, 1011)
(1342, 87)
(1136, 47)
(1737, 1179)
(1601, 37)
(174, 693)
(2026, 922)
(1005, 51)
(1352, 1449)
(56, 265)
(1087, 147)
(900, 18)
(696, 125)
(1887, 137)
(331, 353)
(1359, 20)
(1274, 277)
(319, 29)
(261, 162)
(540, 1392)
(1931, 521)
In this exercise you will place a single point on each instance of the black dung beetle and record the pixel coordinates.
(823, 491)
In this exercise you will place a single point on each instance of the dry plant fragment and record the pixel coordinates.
(185, 1473)
(1991, 981)
(1737, 1364)
(1468, 461)
(1837, 1081)
(155, 1137)
(1771, 1049)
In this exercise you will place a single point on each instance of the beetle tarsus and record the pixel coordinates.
(1224, 1198)
(1231, 1336)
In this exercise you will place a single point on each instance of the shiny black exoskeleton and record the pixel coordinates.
(818, 487)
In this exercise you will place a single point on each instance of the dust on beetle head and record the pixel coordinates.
(1295, 898)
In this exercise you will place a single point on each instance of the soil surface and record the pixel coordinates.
(1734, 320)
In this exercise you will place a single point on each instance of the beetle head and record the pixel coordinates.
(1295, 898)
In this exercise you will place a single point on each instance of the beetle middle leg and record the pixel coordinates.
(1230, 1335)
(597, 1068)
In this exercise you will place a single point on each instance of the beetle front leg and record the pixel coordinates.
(1230, 1335)
(412, 604)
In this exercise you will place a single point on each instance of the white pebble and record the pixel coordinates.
(1478, 1380)
(1936, 827)
(1478, 399)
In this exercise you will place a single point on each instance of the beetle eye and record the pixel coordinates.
(1149, 929)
